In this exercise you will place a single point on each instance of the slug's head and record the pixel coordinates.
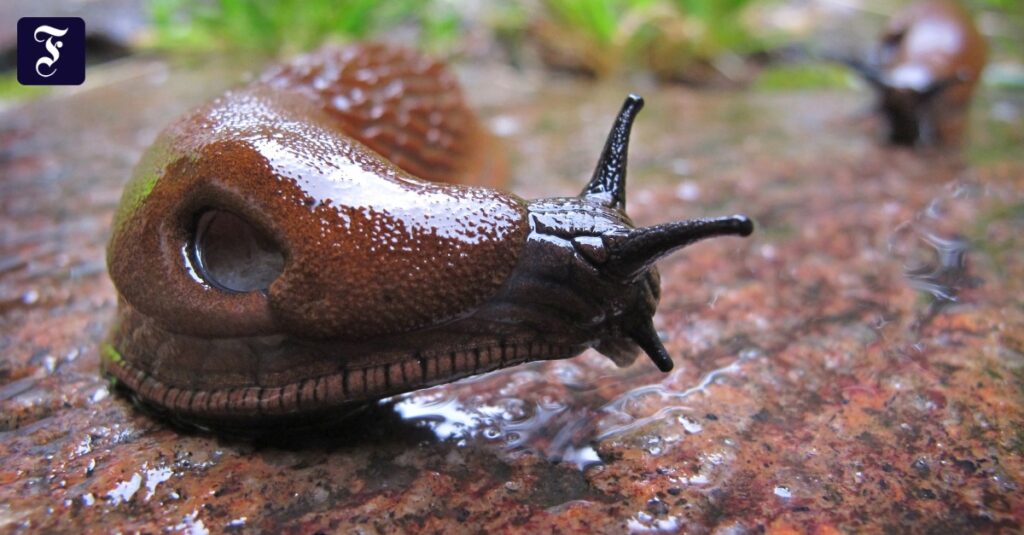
(924, 70)
(605, 265)
(910, 95)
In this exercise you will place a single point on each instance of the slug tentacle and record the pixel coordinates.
(632, 251)
(646, 336)
(608, 184)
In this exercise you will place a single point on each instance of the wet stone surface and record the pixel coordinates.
(856, 365)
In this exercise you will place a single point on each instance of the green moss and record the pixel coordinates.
(135, 192)
(144, 178)
(804, 76)
(109, 354)
(11, 89)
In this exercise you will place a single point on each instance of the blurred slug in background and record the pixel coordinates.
(326, 236)
(924, 71)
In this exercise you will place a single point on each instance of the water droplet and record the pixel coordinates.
(688, 191)
(154, 477)
(690, 425)
(125, 490)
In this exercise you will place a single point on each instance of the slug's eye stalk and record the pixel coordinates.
(608, 185)
(632, 251)
(626, 254)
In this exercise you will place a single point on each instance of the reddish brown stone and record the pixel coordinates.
(821, 386)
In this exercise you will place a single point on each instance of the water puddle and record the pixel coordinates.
(559, 410)
(934, 250)
(969, 222)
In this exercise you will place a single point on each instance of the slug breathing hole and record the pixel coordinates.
(233, 255)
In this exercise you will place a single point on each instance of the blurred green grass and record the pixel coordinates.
(667, 37)
(802, 76)
(681, 40)
(599, 36)
(1005, 24)
(288, 26)
(12, 90)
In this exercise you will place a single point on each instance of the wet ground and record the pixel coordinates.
(856, 365)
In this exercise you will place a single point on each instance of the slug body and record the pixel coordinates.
(924, 71)
(279, 255)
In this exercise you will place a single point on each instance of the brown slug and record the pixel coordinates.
(279, 255)
(924, 71)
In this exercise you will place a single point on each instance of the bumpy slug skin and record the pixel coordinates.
(275, 265)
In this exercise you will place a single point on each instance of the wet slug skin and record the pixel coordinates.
(325, 237)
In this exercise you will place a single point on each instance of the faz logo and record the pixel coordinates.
(51, 51)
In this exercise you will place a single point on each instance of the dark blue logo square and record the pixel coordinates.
(51, 51)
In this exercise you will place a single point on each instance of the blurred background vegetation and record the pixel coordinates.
(692, 41)
(288, 26)
(686, 40)
(721, 43)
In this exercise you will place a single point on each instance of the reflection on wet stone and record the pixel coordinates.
(934, 248)
(946, 273)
